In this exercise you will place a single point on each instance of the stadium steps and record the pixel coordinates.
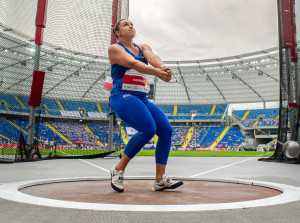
(91, 133)
(188, 137)
(204, 136)
(20, 102)
(212, 112)
(3, 136)
(245, 115)
(6, 106)
(175, 110)
(155, 139)
(58, 133)
(18, 127)
(241, 126)
(255, 124)
(60, 105)
(220, 137)
(99, 108)
(282, 112)
(124, 135)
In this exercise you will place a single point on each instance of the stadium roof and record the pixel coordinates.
(73, 75)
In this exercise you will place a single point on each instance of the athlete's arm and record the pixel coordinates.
(118, 55)
(153, 59)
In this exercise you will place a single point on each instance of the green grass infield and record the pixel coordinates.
(208, 153)
(76, 152)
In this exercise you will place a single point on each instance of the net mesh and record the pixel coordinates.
(288, 128)
(73, 117)
(74, 57)
(297, 10)
(71, 24)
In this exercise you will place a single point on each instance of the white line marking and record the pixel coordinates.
(64, 153)
(222, 167)
(91, 164)
(95, 166)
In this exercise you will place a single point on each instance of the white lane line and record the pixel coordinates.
(222, 167)
(95, 166)
(91, 164)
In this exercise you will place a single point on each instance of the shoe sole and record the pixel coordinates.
(179, 183)
(113, 186)
(116, 188)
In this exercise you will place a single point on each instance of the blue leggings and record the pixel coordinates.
(144, 116)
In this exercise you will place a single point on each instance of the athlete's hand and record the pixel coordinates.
(165, 68)
(164, 75)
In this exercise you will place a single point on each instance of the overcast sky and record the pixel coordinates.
(204, 29)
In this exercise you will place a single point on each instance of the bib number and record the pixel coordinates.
(135, 81)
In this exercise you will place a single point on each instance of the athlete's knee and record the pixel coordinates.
(169, 130)
(166, 131)
(149, 132)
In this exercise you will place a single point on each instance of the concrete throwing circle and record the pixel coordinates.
(139, 192)
(94, 193)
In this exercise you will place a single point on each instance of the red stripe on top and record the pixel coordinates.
(135, 80)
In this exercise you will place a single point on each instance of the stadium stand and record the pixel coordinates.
(220, 109)
(239, 113)
(248, 123)
(202, 136)
(205, 136)
(100, 130)
(76, 105)
(179, 134)
(205, 117)
(55, 107)
(200, 109)
(211, 136)
(167, 109)
(270, 122)
(51, 104)
(8, 133)
(232, 138)
(198, 136)
(268, 116)
(105, 107)
(253, 114)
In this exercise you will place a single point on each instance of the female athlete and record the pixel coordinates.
(129, 70)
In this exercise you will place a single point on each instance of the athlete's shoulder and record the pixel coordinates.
(145, 48)
(115, 48)
(142, 46)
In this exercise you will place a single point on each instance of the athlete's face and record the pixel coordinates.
(126, 29)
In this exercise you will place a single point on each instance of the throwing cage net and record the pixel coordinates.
(289, 30)
(53, 65)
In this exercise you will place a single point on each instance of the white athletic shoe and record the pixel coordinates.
(117, 178)
(166, 183)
